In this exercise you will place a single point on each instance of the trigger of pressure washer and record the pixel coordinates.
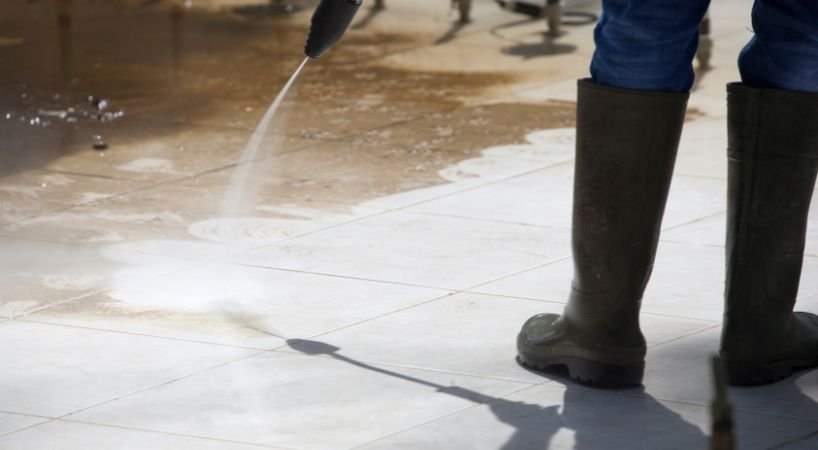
(329, 22)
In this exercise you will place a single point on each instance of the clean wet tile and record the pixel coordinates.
(687, 281)
(434, 251)
(10, 423)
(545, 198)
(703, 149)
(235, 305)
(551, 282)
(63, 435)
(563, 417)
(37, 274)
(808, 442)
(541, 198)
(270, 399)
(447, 334)
(680, 371)
(712, 231)
(52, 370)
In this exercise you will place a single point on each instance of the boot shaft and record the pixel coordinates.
(626, 150)
(772, 166)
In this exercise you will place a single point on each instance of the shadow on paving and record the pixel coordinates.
(598, 418)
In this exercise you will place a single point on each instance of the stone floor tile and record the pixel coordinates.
(62, 435)
(572, 417)
(679, 370)
(270, 399)
(447, 333)
(235, 305)
(191, 220)
(541, 198)
(551, 282)
(36, 192)
(703, 149)
(544, 198)
(181, 152)
(712, 231)
(433, 251)
(10, 423)
(51, 370)
(36, 274)
(808, 442)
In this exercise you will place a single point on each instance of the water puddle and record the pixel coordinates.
(153, 69)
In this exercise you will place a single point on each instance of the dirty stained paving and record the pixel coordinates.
(174, 93)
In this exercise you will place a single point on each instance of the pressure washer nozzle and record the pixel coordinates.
(329, 22)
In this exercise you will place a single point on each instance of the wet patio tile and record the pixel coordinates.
(9, 423)
(269, 398)
(703, 149)
(808, 442)
(563, 417)
(401, 247)
(34, 187)
(62, 435)
(447, 333)
(200, 221)
(712, 231)
(171, 153)
(678, 371)
(36, 275)
(53, 370)
(235, 305)
(544, 198)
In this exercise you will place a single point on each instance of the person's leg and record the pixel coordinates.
(648, 44)
(628, 129)
(783, 53)
(773, 162)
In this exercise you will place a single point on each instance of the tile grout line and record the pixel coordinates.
(171, 433)
(795, 440)
(130, 333)
(28, 427)
(155, 386)
(453, 413)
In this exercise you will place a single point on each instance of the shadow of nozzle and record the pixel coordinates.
(312, 348)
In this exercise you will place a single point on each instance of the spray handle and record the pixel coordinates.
(329, 22)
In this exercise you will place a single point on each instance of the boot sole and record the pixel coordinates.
(754, 375)
(586, 371)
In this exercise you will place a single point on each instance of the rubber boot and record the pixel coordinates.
(625, 152)
(773, 161)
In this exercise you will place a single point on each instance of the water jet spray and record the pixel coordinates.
(329, 23)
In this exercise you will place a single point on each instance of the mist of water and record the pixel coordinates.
(235, 190)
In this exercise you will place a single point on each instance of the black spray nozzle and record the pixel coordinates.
(329, 22)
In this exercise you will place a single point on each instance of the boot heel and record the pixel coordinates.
(601, 374)
(589, 372)
(747, 375)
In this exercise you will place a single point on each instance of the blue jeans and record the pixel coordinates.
(650, 45)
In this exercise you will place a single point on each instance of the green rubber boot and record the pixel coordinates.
(626, 149)
(773, 161)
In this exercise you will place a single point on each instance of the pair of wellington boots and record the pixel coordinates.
(625, 153)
